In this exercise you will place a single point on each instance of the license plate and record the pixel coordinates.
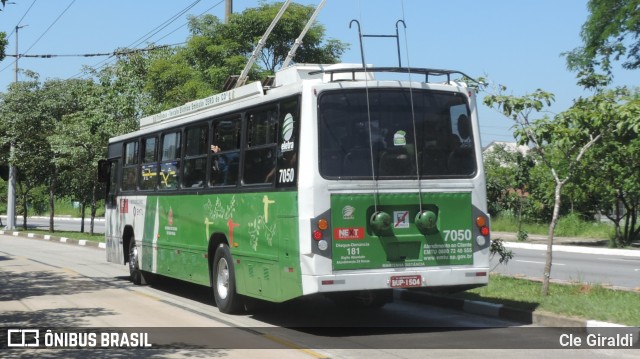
(406, 281)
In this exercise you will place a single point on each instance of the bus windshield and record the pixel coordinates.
(355, 125)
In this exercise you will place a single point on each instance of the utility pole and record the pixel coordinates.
(11, 195)
(228, 10)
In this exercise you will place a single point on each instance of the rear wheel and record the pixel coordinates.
(134, 264)
(223, 281)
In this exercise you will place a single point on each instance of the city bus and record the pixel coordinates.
(335, 179)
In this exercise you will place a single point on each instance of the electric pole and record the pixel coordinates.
(11, 195)
(228, 10)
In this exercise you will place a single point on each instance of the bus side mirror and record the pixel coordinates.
(103, 171)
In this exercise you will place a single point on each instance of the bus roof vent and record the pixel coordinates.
(251, 90)
(299, 72)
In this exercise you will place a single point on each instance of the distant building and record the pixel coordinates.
(508, 146)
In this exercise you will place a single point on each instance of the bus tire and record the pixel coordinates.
(223, 281)
(134, 264)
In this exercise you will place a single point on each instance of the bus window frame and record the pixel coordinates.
(238, 120)
(154, 163)
(127, 166)
(176, 160)
(186, 158)
(248, 147)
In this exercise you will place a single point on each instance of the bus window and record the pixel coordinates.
(149, 166)
(112, 190)
(225, 150)
(130, 168)
(260, 155)
(170, 165)
(394, 134)
(195, 162)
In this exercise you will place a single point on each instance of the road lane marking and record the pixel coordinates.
(555, 264)
(292, 345)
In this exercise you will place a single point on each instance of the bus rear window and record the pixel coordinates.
(396, 134)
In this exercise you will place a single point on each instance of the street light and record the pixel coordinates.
(11, 195)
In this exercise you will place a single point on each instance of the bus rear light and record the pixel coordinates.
(317, 235)
(323, 224)
(327, 282)
(481, 274)
(484, 231)
(481, 221)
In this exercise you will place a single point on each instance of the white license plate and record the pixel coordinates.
(406, 281)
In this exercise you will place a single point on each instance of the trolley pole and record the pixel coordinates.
(11, 195)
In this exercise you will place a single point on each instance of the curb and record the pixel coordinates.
(507, 313)
(576, 249)
(46, 237)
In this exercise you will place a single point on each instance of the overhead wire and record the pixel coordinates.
(151, 33)
(413, 112)
(41, 36)
(113, 53)
(50, 26)
(143, 38)
(22, 18)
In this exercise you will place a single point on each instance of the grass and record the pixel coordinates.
(67, 234)
(575, 300)
(568, 226)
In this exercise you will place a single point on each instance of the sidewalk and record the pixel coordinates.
(566, 244)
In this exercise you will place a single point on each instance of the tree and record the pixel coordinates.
(610, 173)
(561, 143)
(3, 45)
(612, 31)
(109, 107)
(27, 127)
(58, 99)
(216, 51)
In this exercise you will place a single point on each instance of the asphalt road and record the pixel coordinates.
(54, 285)
(60, 223)
(599, 268)
(603, 266)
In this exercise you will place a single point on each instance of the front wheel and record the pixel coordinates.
(223, 281)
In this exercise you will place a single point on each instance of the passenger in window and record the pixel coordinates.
(464, 131)
(224, 167)
(131, 180)
(461, 160)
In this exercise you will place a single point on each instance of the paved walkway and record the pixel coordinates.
(566, 244)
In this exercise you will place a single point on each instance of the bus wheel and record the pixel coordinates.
(134, 264)
(224, 282)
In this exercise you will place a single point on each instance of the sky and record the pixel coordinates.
(513, 43)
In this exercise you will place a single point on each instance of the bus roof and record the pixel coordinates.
(295, 74)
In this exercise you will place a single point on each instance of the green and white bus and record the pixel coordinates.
(328, 181)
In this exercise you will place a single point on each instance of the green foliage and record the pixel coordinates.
(522, 235)
(576, 300)
(498, 248)
(611, 32)
(3, 45)
(570, 225)
(216, 51)
(614, 187)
